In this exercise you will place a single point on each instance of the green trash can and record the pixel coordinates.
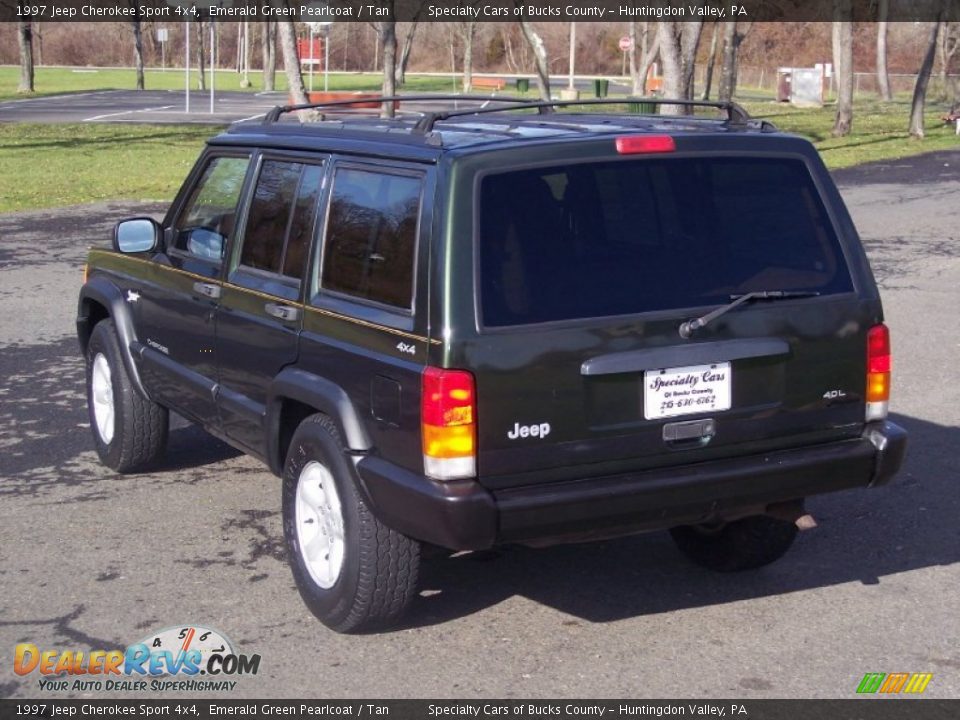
(523, 84)
(601, 88)
(640, 107)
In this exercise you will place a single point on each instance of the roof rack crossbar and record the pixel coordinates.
(736, 114)
(274, 115)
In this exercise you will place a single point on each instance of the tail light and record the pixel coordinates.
(878, 372)
(449, 424)
(86, 272)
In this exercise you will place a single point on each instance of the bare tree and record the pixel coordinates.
(923, 80)
(883, 76)
(202, 54)
(466, 31)
(387, 30)
(269, 53)
(649, 48)
(408, 46)
(843, 66)
(25, 41)
(291, 61)
(733, 36)
(711, 61)
(137, 43)
(539, 55)
(678, 50)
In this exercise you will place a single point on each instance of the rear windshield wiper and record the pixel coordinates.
(687, 327)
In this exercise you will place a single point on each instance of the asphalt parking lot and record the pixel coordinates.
(146, 106)
(93, 560)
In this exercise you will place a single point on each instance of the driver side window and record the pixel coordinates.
(208, 218)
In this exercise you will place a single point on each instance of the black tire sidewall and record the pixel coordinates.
(313, 442)
(103, 342)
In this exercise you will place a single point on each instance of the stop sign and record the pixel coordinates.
(625, 43)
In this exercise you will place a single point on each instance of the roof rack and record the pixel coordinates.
(274, 115)
(736, 114)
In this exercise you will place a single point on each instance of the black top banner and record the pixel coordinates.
(324, 11)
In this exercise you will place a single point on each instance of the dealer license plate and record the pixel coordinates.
(686, 390)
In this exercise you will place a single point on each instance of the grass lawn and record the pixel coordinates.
(52, 165)
(50, 81)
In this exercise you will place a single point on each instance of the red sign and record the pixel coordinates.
(625, 43)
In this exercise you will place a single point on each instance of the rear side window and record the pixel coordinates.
(617, 238)
(208, 218)
(281, 217)
(370, 245)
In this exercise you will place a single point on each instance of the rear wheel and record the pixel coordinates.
(353, 572)
(129, 430)
(744, 544)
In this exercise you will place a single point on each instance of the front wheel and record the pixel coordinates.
(353, 572)
(745, 544)
(129, 430)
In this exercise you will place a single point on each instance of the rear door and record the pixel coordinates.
(260, 313)
(586, 271)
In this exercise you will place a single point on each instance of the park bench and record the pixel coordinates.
(490, 83)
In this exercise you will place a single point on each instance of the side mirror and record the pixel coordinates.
(136, 235)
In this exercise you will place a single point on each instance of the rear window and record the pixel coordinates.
(624, 237)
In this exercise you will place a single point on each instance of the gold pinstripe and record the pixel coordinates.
(293, 303)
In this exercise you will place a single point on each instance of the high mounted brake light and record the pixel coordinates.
(878, 372)
(449, 424)
(640, 144)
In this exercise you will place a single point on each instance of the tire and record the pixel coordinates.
(353, 572)
(744, 544)
(129, 430)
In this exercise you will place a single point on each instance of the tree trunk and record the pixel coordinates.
(711, 61)
(539, 57)
(202, 53)
(843, 68)
(883, 75)
(632, 53)
(138, 46)
(388, 36)
(25, 41)
(649, 57)
(269, 51)
(672, 66)
(728, 69)
(690, 34)
(291, 62)
(468, 32)
(923, 79)
(405, 51)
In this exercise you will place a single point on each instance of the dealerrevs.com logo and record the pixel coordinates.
(182, 658)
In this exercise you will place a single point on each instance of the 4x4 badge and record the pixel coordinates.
(409, 349)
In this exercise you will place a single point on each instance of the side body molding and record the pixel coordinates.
(100, 290)
(318, 392)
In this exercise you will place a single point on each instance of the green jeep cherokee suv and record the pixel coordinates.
(511, 322)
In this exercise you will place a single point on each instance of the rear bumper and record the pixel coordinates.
(465, 516)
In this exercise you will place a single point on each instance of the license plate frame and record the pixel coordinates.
(687, 390)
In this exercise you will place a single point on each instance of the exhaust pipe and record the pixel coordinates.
(794, 512)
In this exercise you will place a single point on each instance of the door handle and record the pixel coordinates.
(282, 312)
(207, 290)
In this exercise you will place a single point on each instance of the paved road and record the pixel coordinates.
(168, 106)
(148, 106)
(92, 560)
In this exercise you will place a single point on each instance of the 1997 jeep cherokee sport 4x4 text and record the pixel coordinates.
(482, 326)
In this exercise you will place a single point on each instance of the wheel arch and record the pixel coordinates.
(295, 395)
(100, 300)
